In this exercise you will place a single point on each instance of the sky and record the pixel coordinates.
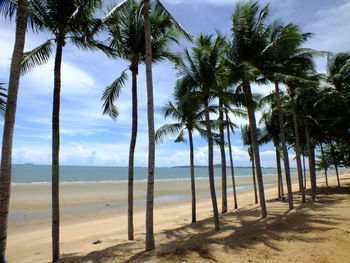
(88, 138)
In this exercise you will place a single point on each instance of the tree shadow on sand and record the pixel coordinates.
(240, 230)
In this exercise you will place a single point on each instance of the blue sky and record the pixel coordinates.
(88, 138)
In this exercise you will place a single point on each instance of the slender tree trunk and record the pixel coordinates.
(311, 161)
(279, 173)
(253, 175)
(9, 123)
(304, 167)
(56, 152)
(134, 71)
(255, 145)
(193, 186)
(284, 146)
(231, 165)
(335, 161)
(151, 140)
(223, 160)
(325, 167)
(297, 153)
(211, 166)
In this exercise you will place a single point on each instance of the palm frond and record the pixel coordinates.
(111, 93)
(37, 57)
(8, 8)
(168, 130)
(162, 9)
(3, 99)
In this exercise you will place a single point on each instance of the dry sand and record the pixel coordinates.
(312, 232)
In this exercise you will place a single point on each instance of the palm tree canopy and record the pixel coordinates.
(204, 68)
(187, 110)
(66, 20)
(126, 35)
(124, 24)
(339, 70)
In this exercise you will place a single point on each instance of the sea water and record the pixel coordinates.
(41, 174)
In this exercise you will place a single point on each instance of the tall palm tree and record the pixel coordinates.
(289, 62)
(204, 70)
(8, 8)
(67, 21)
(188, 111)
(125, 27)
(151, 138)
(247, 53)
(150, 115)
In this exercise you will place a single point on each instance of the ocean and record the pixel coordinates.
(41, 174)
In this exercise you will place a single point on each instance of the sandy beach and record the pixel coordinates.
(245, 237)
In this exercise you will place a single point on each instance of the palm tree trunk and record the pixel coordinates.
(134, 71)
(304, 167)
(211, 166)
(255, 145)
(335, 161)
(297, 153)
(223, 160)
(9, 123)
(253, 175)
(279, 173)
(56, 152)
(284, 146)
(193, 186)
(151, 140)
(311, 161)
(231, 165)
(325, 165)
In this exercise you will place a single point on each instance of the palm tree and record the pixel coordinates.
(204, 71)
(125, 28)
(8, 8)
(246, 139)
(287, 39)
(150, 115)
(67, 21)
(188, 112)
(151, 137)
(230, 128)
(270, 121)
(247, 52)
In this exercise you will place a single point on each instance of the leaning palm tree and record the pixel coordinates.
(67, 21)
(125, 27)
(150, 115)
(8, 9)
(204, 70)
(188, 111)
